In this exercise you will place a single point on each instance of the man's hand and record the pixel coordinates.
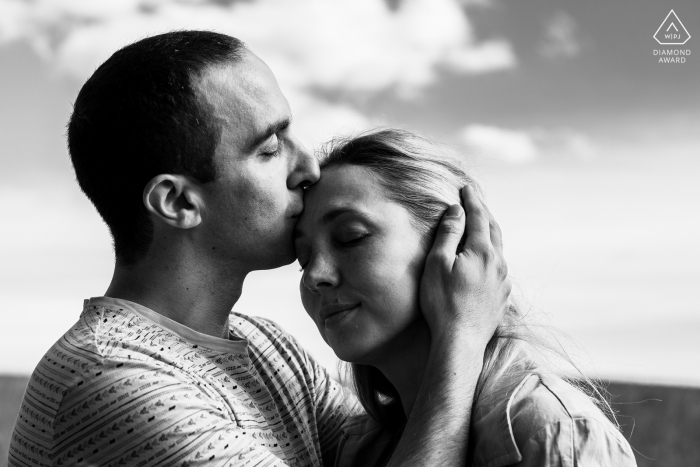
(464, 296)
(465, 293)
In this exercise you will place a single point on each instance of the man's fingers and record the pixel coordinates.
(503, 270)
(494, 231)
(449, 234)
(477, 224)
(497, 242)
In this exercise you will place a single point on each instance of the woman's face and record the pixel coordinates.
(362, 259)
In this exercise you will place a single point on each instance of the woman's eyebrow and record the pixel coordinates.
(331, 216)
(337, 212)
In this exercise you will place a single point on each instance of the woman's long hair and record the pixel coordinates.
(425, 180)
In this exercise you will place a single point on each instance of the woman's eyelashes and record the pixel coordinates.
(349, 233)
(351, 238)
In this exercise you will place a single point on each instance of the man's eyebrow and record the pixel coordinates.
(271, 129)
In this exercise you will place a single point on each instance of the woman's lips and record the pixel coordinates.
(334, 314)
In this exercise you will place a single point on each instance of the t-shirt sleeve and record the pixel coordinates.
(577, 442)
(334, 405)
(147, 416)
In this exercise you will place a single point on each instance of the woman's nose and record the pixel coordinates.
(320, 274)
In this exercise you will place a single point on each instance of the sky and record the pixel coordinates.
(586, 147)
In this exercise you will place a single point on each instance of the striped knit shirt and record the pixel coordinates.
(127, 386)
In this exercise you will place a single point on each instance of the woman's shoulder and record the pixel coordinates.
(541, 400)
(543, 420)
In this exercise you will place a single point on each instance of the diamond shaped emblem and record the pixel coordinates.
(672, 31)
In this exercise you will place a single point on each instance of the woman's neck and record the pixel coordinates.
(404, 365)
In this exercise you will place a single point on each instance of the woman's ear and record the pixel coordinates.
(175, 199)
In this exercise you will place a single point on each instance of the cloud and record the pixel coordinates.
(318, 120)
(560, 37)
(487, 56)
(478, 3)
(491, 142)
(350, 47)
(564, 143)
(517, 146)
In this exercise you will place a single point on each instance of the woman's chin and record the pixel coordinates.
(354, 352)
(345, 355)
(349, 352)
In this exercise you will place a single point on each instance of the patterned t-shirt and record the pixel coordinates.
(128, 387)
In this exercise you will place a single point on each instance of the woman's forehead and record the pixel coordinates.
(344, 187)
(349, 182)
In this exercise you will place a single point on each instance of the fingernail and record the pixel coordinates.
(454, 211)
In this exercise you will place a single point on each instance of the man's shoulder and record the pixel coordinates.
(74, 357)
(103, 344)
(76, 383)
(84, 359)
(67, 409)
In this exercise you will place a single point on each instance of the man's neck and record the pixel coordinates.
(199, 296)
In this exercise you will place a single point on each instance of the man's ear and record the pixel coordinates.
(175, 199)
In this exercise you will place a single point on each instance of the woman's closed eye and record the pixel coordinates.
(342, 240)
(351, 238)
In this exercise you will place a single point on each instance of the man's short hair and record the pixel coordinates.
(140, 115)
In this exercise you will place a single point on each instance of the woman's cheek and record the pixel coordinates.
(306, 298)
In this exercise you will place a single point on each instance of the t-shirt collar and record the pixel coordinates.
(232, 345)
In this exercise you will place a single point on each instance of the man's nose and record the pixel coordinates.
(305, 171)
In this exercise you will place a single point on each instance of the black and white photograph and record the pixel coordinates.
(350, 233)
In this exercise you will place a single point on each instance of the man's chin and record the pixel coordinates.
(282, 262)
(278, 257)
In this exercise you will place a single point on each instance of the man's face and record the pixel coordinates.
(251, 207)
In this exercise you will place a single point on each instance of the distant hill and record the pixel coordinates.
(662, 423)
(11, 393)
